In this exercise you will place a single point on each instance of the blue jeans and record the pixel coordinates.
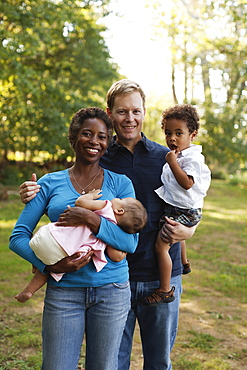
(100, 313)
(158, 327)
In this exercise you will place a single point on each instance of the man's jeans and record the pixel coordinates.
(158, 327)
(69, 312)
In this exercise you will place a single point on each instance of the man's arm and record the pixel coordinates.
(173, 232)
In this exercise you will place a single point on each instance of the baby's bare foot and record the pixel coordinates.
(24, 296)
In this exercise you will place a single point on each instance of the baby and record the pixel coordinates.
(52, 243)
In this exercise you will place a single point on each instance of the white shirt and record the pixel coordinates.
(192, 161)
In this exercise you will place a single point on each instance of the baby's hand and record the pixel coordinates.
(91, 195)
(96, 193)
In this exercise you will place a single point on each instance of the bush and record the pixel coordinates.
(218, 174)
(237, 180)
(3, 193)
(13, 173)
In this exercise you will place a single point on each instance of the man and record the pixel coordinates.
(132, 154)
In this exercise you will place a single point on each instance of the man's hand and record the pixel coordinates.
(173, 232)
(29, 189)
(70, 264)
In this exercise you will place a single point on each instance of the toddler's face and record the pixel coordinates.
(177, 134)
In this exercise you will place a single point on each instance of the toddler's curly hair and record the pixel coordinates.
(183, 112)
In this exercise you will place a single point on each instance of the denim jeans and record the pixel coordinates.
(100, 313)
(158, 327)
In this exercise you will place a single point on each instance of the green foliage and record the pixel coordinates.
(207, 42)
(218, 174)
(238, 181)
(14, 173)
(205, 342)
(18, 335)
(3, 193)
(183, 363)
(213, 319)
(10, 209)
(152, 123)
(224, 139)
(53, 61)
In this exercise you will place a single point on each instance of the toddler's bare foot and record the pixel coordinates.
(23, 296)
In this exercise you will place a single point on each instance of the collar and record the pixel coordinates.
(193, 148)
(114, 146)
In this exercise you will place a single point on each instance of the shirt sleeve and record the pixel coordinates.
(23, 230)
(114, 236)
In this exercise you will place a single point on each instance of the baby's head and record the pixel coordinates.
(183, 112)
(130, 214)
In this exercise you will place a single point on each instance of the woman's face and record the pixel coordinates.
(92, 140)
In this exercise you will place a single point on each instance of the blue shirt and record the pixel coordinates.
(56, 193)
(144, 169)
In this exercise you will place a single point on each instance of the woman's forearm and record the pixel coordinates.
(77, 216)
(114, 236)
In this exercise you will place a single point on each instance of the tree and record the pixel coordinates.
(208, 42)
(53, 62)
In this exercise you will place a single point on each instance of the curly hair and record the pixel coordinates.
(83, 114)
(123, 87)
(183, 112)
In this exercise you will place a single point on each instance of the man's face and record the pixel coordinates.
(128, 115)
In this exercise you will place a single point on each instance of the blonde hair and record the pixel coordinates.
(123, 87)
(134, 218)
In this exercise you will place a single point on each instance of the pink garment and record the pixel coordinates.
(80, 239)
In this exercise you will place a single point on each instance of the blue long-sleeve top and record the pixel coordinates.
(56, 193)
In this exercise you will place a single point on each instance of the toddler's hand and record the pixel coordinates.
(171, 156)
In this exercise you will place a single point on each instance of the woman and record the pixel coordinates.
(84, 301)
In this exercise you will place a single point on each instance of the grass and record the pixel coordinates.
(213, 315)
(213, 319)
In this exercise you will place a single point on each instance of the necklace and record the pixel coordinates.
(83, 189)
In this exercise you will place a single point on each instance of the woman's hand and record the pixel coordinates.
(29, 189)
(78, 216)
(173, 232)
(70, 264)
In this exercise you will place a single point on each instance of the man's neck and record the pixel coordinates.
(129, 144)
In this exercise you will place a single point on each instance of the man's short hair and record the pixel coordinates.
(123, 87)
